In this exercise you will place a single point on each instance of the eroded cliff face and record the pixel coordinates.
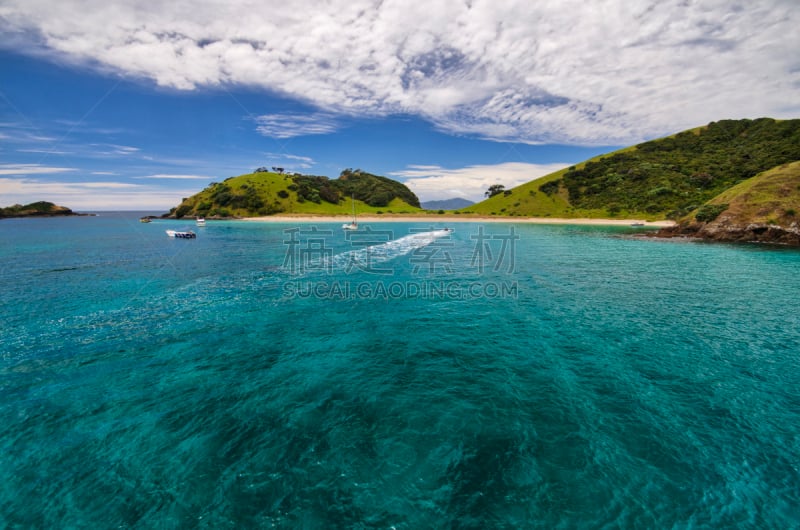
(724, 228)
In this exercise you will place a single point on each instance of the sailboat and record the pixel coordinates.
(354, 224)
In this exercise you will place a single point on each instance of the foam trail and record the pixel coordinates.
(384, 252)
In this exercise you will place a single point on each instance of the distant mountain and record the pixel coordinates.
(267, 193)
(664, 178)
(765, 208)
(447, 204)
(35, 209)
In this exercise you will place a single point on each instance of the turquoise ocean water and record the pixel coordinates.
(502, 376)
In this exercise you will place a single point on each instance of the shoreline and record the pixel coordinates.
(305, 218)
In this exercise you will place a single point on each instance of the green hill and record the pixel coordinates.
(772, 197)
(527, 200)
(35, 209)
(266, 193)
(664, 178)
(765, 208)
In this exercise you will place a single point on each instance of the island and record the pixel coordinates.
(37, 209)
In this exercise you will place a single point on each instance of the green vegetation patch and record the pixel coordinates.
(669, 175)
(709, 212)
(267, 193)
(773, 195)
(665, 178)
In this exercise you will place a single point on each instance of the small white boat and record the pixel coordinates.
(201, 221)
(181, 235)
(144, 219)
(353, 225)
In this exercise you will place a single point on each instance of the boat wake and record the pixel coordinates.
(365, 258)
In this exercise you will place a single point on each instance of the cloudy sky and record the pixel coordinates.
(115, 104)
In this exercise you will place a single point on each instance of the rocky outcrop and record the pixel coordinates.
(725, 229)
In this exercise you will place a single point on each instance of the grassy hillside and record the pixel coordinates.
(265, 193)
(664, 178)
(527, 200)
(772, 197)
(761, 209)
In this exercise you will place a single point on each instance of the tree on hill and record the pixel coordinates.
(374, 190)
(494, 189)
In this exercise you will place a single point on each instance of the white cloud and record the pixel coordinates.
(31, 169)
(113, 150)
(302, 159)
(39, 138)
(177, 177)
(95, 195)
(566, 71)
(66, 145)
(44, 151)
(434, 182)
(291, 125)
(110, 185)
(296, 161)
(17, 133)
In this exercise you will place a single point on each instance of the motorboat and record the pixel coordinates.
(188, 234)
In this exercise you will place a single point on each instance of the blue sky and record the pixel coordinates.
(106, 106)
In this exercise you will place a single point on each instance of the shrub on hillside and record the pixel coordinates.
(709, 212)
(550, 188)
(182, 210)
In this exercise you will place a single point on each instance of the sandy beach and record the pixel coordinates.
(452, 219)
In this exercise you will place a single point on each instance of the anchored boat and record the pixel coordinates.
(353, 225)
(181, 235)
